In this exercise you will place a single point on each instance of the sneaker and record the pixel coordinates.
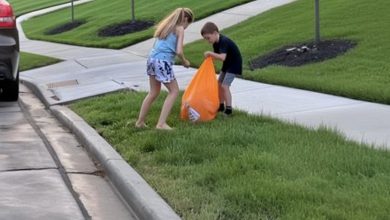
(228, 110)
(221, 107)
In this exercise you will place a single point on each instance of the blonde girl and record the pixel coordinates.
(169, 43)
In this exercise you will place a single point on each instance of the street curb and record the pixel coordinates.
(136, 192)
(133, 188)
(29, 83)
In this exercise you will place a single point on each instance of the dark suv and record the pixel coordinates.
(9, 54)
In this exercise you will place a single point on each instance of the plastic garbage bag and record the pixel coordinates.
(200, 100)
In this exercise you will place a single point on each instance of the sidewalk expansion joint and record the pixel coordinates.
(78, 62)
(29, 169)
(232, 13)
(100, 173)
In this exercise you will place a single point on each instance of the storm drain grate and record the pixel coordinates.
(72, 82)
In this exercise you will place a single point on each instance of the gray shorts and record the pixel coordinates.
(226, 78)
(161, 69)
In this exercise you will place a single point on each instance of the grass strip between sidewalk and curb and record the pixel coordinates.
(245, 166)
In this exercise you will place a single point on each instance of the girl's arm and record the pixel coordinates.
(179, 46)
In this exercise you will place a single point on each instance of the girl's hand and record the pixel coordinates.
(186, 63)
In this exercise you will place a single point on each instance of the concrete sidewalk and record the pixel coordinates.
(89, 71)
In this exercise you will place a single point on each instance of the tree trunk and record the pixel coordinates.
(317, 21)
(132, 11)
(72, 8)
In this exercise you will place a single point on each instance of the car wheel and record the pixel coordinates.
(10, 92)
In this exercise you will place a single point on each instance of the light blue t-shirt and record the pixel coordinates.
(165, 49)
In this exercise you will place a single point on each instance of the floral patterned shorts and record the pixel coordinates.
(161, 69)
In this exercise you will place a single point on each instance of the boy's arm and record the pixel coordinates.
(218, 56)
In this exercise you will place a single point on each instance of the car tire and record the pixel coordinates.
(10, 92)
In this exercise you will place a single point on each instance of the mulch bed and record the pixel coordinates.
(111, 31)
(304, 53)
(291, 55)
(65, 27)
(125, 28)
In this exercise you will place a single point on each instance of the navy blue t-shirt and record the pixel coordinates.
(233, 61)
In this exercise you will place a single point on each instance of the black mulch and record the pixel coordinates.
(297, 55)
(65, 27)
(125, 28)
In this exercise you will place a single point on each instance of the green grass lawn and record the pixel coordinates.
(362, 73)
(28, 60)
(25, 6)
(99, 14)
(251, 167)
(245, 167)
(31, 61)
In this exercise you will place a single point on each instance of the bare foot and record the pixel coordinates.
(140, 125)
(164, 127)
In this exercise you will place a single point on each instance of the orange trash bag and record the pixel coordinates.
(200, 100)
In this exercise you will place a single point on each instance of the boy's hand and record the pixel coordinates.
(215, 56)
(207, 54)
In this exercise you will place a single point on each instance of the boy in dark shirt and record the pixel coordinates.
(226, 51)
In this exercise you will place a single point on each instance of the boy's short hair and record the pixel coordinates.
(209, 28)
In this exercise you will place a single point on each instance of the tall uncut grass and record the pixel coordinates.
(245, 166)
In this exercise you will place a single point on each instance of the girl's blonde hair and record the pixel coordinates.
(168, 24)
